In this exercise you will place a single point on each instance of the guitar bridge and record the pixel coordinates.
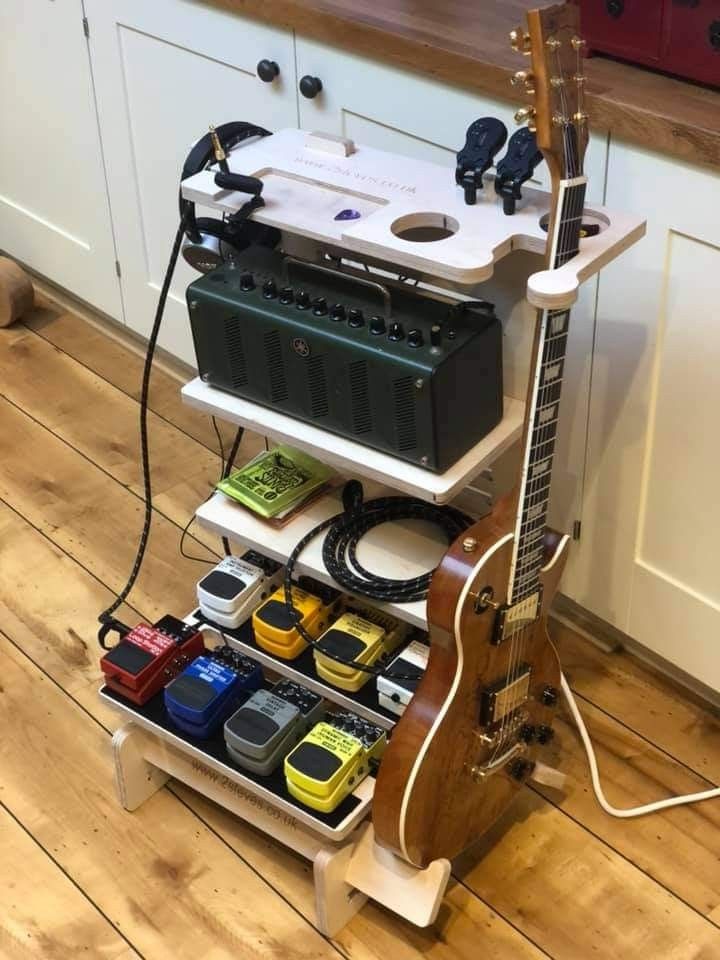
(512, 618)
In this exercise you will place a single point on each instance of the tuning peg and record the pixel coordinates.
(525, 114)
(520, 41)
(524, 78)
(578, 43)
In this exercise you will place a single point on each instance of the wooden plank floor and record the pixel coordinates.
(180, 878)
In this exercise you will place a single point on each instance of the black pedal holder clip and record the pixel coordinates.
(517, 166)
(484, 138)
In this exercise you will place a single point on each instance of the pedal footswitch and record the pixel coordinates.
(333, 758)
(264, 730)
(149, 657)
(230, 591)
(410, 663)
(276, 629)
(210, 689)
(363, 635)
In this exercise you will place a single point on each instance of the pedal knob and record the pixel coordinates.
(396, 332)
(415, 338)
(377, 326)
(356, 318)
(549, 696)
(319, 306)
(247, 282)
(287, 295)
(337, 313)
(302, 300)
(269, 290)
(544, 733)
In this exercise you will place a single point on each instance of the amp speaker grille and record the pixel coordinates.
(235, 352)
(275, 366)
(360, 397)
(404, 404)
(317, 386)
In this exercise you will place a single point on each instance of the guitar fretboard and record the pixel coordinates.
(544, 410)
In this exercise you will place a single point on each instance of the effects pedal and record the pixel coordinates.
(395, 694)
(264, 730)
(200, 699)
(332, 759)
(232, 589)
(362, 634)
(275, 628)
(148, 657)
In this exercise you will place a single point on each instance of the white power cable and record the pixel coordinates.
(614, 811)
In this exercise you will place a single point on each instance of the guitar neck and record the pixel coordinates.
(548, 366)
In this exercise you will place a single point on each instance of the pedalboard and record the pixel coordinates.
(264, 730)
(408, 667)
(366, 636)
(148, 657)
(200, 699)
(383, 364)
(232, 589)
(276, 628)
(332, 759)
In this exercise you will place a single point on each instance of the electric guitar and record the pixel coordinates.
(483, 712)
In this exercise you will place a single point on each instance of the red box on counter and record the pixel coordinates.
(678, 36)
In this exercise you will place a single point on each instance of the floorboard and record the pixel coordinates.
(557, 878)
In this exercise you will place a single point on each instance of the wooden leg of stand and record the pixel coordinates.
(135, 779)
(336, 902)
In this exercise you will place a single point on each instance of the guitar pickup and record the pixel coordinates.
(512, 618)
(504, 697)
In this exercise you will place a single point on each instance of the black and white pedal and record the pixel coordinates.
(231, 591)
(394, 694)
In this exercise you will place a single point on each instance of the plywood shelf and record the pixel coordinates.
(402, 550)
(347, 456)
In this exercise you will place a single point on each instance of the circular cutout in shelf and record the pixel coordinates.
(424, 227)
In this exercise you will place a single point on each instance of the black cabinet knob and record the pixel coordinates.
(310, 87)
(616, 8)
(714, 34)
(267, 70)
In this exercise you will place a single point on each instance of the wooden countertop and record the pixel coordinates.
(464, 42)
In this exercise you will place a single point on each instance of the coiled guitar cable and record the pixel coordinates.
(344, 532)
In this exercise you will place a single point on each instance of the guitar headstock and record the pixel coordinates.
(556, 84)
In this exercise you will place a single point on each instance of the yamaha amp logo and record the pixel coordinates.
(301, 346)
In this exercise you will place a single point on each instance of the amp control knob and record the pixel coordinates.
(436, 335)
(247, 282)
(337, 312)
(377, 326)
(269, 290)
(319, 306)
(302, 299)
(396, 331)
(287, 295)
(415, 338)
(355, 317)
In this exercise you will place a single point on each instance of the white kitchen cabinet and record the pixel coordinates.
(408, 114)
(648, 561)
(163, 72)
(53, 203)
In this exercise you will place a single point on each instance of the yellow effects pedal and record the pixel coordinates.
(277, 632)
(363, 634)
(332, 759)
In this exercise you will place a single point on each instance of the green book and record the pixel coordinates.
(275, 481)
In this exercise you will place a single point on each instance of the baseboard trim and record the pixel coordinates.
(609, 639)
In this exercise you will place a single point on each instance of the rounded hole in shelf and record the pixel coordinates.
(424, 227)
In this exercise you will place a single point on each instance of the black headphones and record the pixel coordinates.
(208, 242)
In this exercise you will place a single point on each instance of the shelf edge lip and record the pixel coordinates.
(353, 457)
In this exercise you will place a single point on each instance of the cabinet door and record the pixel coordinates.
(54, 212)
(164, 71)
(409, 115)
(648, 560)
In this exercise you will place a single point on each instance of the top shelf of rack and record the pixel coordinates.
(396, 203)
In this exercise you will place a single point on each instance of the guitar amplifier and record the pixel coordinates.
(398, 371)
(679, 36)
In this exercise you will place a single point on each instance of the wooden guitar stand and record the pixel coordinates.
(346, 873)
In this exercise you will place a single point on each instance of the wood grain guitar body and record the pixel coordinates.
(444, 780)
